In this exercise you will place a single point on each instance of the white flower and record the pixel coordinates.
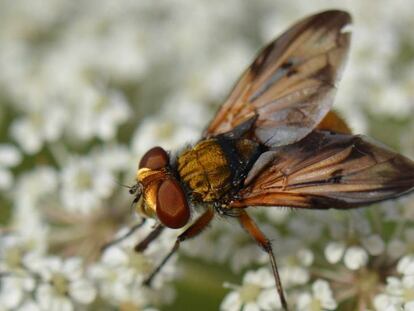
(172, 129)
(34, 191)
(15, 291)
(63, 286)
(399, 295)
(9, 157)
(28, 305)
(38, 126)
(406, 265)
(334, 251)
(384, 302)
(258, 292)
(121, 270)
(98, 114)
(320, 299)
(115, 158)
(34, 186)
(399, 292)
(355, 257)
(67, 83)
(17, 283)
(294, 269)
(294, 275)
(122, 51)
(85, 184)
(17, 254)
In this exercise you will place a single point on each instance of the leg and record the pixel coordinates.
(197, 227)
(142, 245)
(249, 225)
(126, 235)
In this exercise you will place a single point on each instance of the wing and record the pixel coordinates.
(333, 122)
(326, 170)
(290, 86)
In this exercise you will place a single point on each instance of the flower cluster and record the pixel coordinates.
(87, 87)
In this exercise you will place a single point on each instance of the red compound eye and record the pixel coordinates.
(154, 159)
(172, 206)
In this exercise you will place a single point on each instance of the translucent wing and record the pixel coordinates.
(290, 86)
(326, 170)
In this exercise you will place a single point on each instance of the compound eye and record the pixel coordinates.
(155, 158)
(172, 207)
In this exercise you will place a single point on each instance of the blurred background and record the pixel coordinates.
(86, 87)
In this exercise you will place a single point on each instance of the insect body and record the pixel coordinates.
(215, 168)
(274, 142)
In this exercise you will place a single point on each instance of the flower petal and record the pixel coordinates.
(82, 291)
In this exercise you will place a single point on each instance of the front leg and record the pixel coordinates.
(196, 228)
(142, 245)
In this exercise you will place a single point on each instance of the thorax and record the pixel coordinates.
(215, 167)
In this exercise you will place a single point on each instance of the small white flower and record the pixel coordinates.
(14, 290)
(383, 302)
(85, 184)
(258, 292)
(115, 158)
(355, 257)
(122, 51)
(294, 268)
(294, 275)
(17, 283)
(399, 295)
(34, 191)
(28, 305)
(399, 292)
(64, 285)
(33, 186)
(98, 114)
(9, 157)
(114, 42)
(120, 272)
(40, 125)
(320, 299)
(406, 265)
(17, 254)
(334, 252)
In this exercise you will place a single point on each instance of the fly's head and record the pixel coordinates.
(157, 192)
